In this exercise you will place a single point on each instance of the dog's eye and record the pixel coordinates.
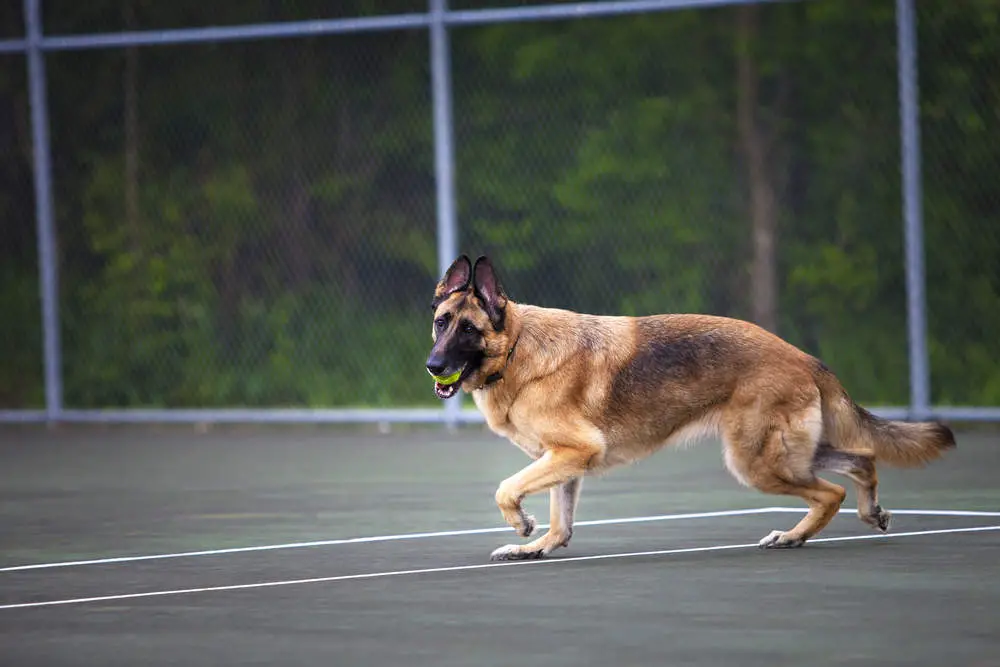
(468, 328)
(440, 323)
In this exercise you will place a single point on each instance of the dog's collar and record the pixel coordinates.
(496, 377)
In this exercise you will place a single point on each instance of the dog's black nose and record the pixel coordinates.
(435, 367)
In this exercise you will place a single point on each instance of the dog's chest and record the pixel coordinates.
(501, 421)
(529, 444)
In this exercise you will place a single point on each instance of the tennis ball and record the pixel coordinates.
(447, 379)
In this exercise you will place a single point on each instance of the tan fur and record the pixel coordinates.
(581, 394)
(898, 443)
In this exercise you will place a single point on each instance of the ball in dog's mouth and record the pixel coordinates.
(446, 386)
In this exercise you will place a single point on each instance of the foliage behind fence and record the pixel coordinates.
(253, 223)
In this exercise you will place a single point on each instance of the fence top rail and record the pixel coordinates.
(13, 45)
(308, 28)
(579, 10)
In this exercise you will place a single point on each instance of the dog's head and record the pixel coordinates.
(469, 329)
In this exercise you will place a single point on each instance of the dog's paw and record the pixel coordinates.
(777, 539)
(881, 519)
(515, 552)
(878, 518)
(527, 526)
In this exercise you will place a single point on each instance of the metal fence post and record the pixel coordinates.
(47, 259)
(444, 157)
(913, 224)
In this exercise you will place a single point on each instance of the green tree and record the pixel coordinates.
(253, 223)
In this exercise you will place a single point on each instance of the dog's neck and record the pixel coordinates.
(514, 328)
(496, 377)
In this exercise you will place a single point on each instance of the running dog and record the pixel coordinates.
(583, 393)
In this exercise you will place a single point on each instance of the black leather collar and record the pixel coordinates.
(496, 377)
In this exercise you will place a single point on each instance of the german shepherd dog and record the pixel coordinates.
(582, 393)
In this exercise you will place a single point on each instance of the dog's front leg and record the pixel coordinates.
(560, 470)
(562, 507)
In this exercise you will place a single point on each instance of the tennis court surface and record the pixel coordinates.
(339, 546)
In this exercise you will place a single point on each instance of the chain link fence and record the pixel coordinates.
(252, 223)
(625, 183)
(21, 385)
(63, 17)
(959, 65)
(245, 224)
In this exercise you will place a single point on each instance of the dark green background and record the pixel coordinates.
(281, 245)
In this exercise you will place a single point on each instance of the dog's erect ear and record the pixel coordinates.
(488, 289)
(456, 279)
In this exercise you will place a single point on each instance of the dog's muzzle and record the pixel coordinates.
(445, 384)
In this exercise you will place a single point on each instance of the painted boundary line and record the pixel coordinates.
(473, 531)
(482, 566)
(379, 538)
(904, 512)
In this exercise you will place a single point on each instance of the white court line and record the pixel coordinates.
(482, 566)
(456, 533)
(845, 510)
(379, 538)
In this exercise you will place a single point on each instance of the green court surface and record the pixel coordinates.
(239, 546)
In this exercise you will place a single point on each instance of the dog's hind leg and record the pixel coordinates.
(562, 507)
(774, 454)
(861, 470)
(824, 499)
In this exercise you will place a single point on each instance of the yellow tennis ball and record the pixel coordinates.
(447, 379)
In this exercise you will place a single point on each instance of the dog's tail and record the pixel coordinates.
(850, 427)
